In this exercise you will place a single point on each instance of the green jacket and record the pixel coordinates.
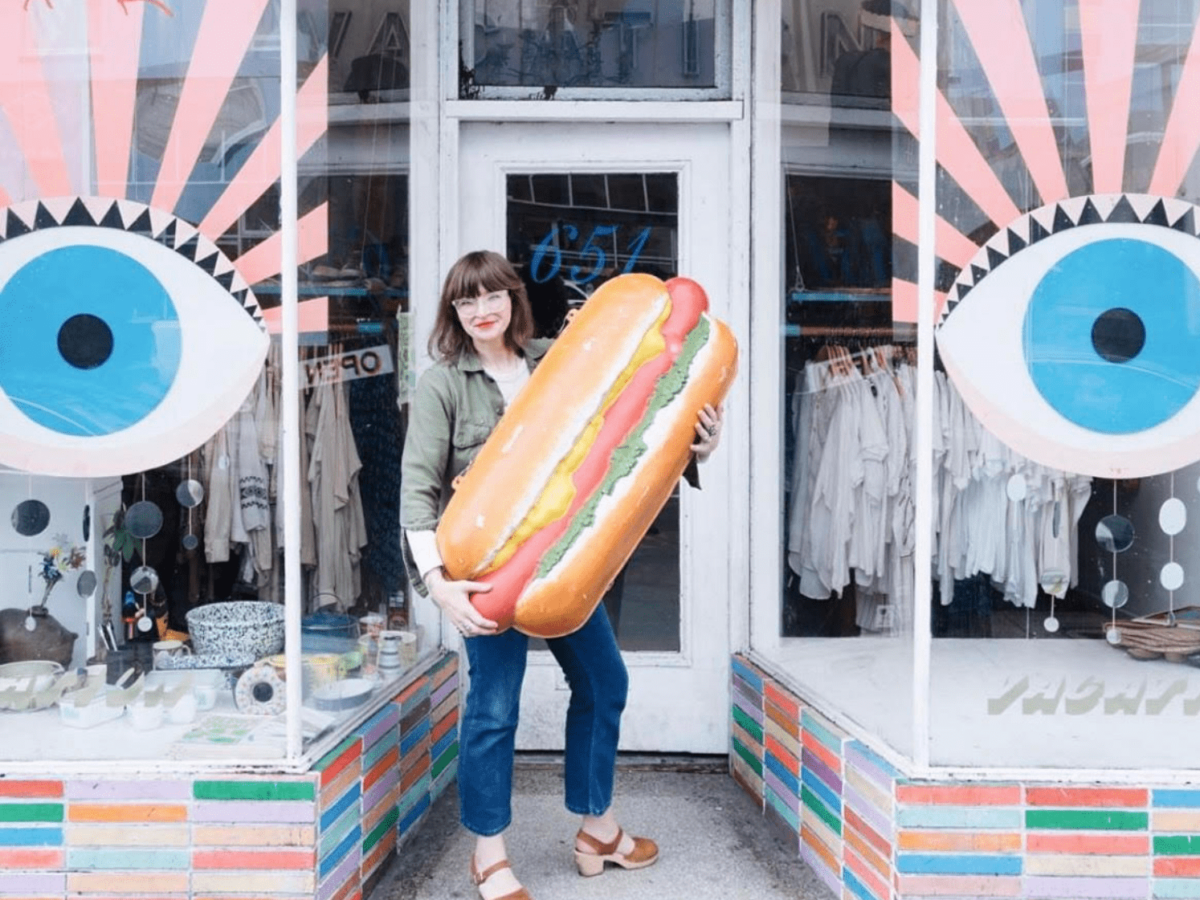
(454, 409)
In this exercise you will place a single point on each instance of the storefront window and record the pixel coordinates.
(142, 368)
(1064, 490)
(615, 46)
(1064, 454)
(848, 380)
(568, 233)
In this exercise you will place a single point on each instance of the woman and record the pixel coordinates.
(482, 341)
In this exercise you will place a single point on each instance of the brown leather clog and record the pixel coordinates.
(591, 862)
(478, 878)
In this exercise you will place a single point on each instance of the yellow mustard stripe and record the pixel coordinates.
(559, 493)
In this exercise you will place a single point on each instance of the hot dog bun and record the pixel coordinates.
(587, 454)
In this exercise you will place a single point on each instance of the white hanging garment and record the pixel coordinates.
(218, 519)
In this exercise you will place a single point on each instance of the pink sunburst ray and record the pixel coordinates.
(956, 151)
(25, 98)
(225, 34)
(951, 244)
(1182, 136)
(14, 175)
(1109, 30)
(62, 44)
(904, 301)
(1002, 45)
(114, 90)
(262, 168)
(313, 316)
(264, 260)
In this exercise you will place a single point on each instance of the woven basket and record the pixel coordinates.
(1146, 640)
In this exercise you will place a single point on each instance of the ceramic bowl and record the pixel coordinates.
(236, 629)
(339, 695)
(328, 632)
(33, 674)
(189, 663)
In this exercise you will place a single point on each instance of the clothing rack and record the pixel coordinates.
(870, 331)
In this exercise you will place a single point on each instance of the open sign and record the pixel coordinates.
(355, 364)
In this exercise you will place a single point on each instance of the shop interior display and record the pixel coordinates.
(225, 657)
(232, 664)
(48, 549)
(1021, 549)
(168, 657)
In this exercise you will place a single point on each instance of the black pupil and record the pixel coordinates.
(85, 341)
(1119, 335)
(263, 692)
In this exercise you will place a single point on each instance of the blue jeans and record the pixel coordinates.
(599, 683)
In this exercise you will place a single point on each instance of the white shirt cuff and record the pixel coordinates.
(424, 551)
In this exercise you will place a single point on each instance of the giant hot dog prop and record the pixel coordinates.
(587, 454)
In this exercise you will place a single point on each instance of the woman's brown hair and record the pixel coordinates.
(479, 272)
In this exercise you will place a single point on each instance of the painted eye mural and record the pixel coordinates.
(112, 336)
(138, 138)
(1068, 288)
(1073, 334)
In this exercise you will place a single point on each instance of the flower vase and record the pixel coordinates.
(40, 608)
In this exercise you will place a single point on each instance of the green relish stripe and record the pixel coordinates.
(625, 457)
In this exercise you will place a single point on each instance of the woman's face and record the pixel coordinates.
(486, 317)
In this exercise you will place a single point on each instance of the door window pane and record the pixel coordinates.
(602, 43)
(567, 234)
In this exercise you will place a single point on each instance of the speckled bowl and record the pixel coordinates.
(238, 628)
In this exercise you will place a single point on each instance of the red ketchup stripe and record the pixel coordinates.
(510, 579)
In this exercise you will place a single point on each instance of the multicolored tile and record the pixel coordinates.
(746, 739)
(322, 834)
(871, 834)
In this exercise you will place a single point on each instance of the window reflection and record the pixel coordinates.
(841, 49)
(597, 43)
(369, 51)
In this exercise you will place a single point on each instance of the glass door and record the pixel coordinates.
(572, 206)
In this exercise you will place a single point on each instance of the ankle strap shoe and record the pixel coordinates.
(478, 878)
(591, 861)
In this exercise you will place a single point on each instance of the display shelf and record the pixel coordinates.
(317, 290)
(40, 739)
(845, 296)
(865, 685)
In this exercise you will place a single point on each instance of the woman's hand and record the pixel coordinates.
(708, 431)
(454, 599)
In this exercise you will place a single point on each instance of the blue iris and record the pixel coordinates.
(91, 340)
(1110, 336)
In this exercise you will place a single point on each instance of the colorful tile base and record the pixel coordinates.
(870, 833)
(323, 835)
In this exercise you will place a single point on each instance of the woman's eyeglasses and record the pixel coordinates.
(469, 305)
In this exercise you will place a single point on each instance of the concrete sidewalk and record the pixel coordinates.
(714, 841)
